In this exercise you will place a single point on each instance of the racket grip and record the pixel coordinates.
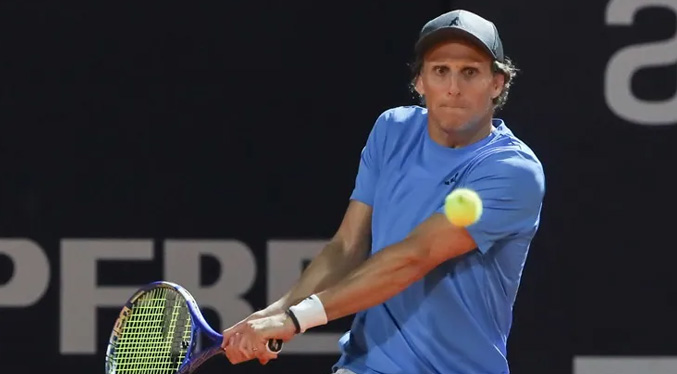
(274, 345)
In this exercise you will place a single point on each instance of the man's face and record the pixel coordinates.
(458, 85)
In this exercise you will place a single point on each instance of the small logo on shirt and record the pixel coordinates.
(451, 180)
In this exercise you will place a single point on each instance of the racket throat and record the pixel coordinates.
(192, 363)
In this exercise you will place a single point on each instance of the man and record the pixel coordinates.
(430, 297)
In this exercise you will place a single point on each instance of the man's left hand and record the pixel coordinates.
(250, 339)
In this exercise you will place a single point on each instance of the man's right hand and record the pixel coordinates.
(230, 332)
(227, 333)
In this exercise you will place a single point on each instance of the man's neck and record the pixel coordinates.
(462, 137)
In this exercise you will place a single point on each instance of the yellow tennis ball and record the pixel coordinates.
(463, 207)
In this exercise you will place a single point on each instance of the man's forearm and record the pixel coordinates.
(379, 278)
(329, 267)
(395, 267)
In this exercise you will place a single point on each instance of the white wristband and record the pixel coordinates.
(310, 313)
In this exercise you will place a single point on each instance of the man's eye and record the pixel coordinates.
(470, 72)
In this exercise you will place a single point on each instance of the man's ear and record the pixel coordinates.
(419, 85)
(497, 85)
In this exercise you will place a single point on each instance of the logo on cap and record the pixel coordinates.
(454, 22)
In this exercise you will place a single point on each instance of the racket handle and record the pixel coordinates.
(274, 345)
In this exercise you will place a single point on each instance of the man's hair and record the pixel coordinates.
(507, 68)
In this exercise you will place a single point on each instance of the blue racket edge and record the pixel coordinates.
(194, 359)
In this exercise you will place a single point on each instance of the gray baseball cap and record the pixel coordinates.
(463, 23)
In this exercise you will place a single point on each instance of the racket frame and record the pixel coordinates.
(198, 326)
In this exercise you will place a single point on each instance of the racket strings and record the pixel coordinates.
(156, 334)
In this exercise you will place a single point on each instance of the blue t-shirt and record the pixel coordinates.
(455, 320)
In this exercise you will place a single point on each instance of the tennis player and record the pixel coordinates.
(429, 297)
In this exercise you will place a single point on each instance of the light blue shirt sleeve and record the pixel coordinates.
(511, 185)
(370, 163)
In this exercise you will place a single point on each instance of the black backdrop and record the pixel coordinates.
(234, 120)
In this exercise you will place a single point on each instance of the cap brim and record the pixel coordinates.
(448, 33)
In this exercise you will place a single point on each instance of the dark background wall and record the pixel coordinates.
(244, 121)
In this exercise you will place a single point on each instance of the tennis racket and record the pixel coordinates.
(157, 332)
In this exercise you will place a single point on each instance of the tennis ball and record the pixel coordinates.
(463, 207)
